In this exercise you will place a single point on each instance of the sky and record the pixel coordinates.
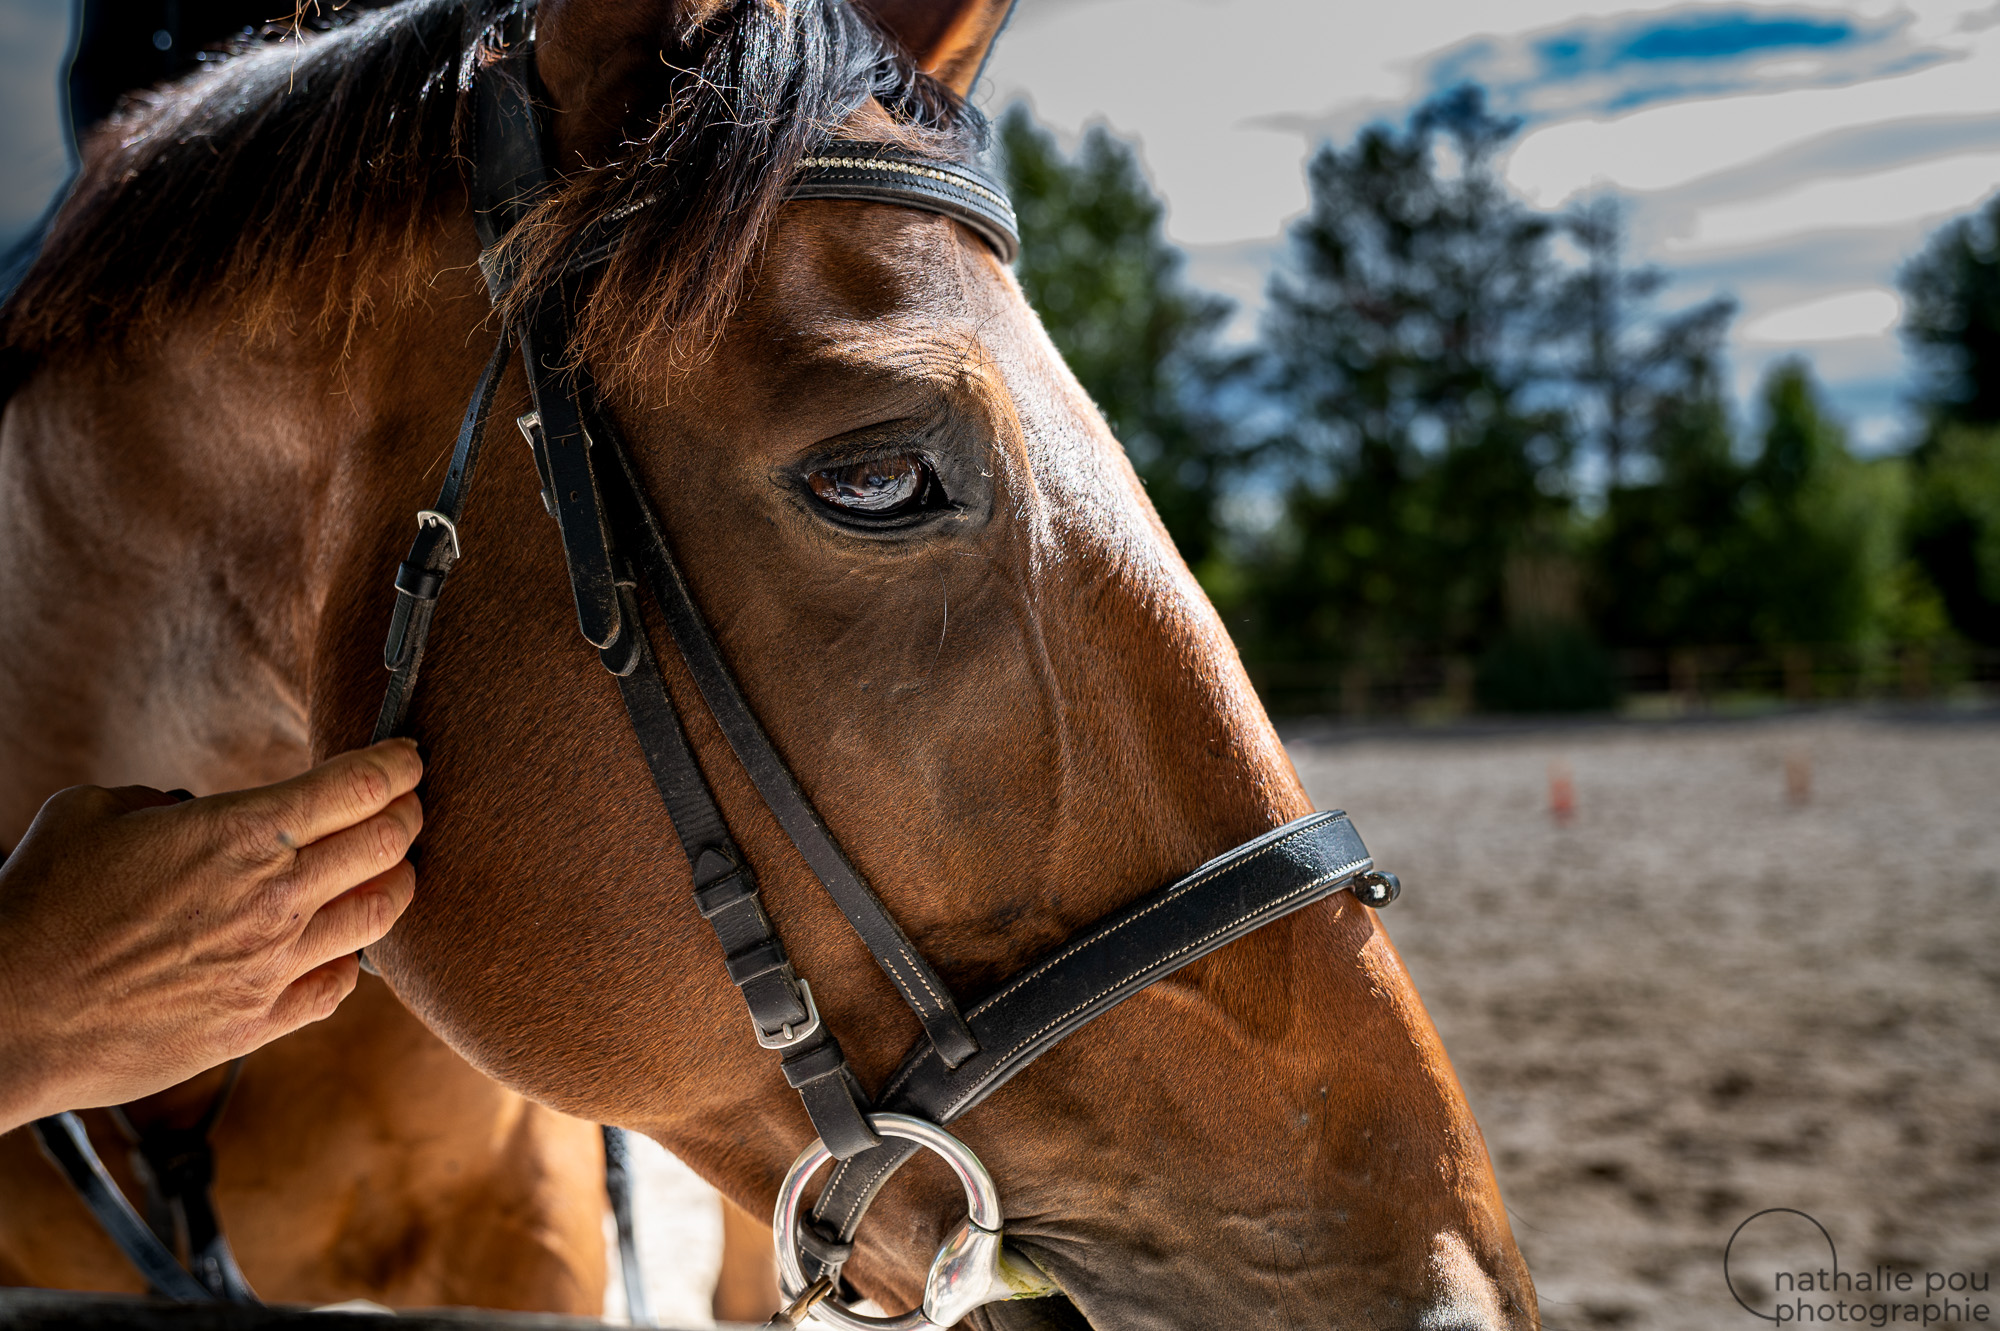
(1791, 155)
(33, 162)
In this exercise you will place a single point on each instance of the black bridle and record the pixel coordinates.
(616, 548)
(618, 556)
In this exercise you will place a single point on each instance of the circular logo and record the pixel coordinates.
(1776, 1239)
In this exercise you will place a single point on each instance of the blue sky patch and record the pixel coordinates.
(1732, 35)
(1622, 63)
(1713, 35)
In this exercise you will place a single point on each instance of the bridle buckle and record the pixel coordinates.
(430, 517)
(792, 1032)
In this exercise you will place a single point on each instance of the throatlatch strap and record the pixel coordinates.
(420, 578)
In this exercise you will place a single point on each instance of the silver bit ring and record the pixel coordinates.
(966, 1272)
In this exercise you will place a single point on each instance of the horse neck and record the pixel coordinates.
(181, 494)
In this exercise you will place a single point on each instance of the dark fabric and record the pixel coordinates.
(66, 1143)
(618, 1191)
(125, 45)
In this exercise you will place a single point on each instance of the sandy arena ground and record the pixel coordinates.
(1759, 967)
(1702, 997)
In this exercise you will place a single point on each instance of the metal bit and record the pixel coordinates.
(796, 1312)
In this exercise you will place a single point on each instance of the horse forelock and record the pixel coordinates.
(302, 183)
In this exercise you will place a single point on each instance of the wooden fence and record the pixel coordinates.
(1680, 681)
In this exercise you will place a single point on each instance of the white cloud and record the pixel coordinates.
(1669, 146)
(1227, 97)
(1885, 198)
(1199, 83)
(1869, 312)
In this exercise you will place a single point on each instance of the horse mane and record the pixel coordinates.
(301, 180)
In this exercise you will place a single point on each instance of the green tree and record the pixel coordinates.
(1096, 265)
(1632, 366)
(1820, 525)
(1954, 526)
(1952, 324)
(1665, 552)
(1952, 319)
(1795, 545)
(1407, 343)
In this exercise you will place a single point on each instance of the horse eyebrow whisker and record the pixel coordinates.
(943, 628)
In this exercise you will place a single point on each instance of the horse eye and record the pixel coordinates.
(881, 487)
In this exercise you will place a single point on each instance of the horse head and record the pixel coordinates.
(940, 588)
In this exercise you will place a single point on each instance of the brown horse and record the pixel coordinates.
(251, 338)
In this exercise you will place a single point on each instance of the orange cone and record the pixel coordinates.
(1798, 778)
(1562, 793)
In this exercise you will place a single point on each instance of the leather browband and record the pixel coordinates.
(870, 173)
(878, 173)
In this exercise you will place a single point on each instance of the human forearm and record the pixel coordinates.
(143, 941)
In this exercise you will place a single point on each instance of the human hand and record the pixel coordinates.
(143, 941)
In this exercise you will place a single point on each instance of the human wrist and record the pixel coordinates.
(31, 1083)
(26, 1089)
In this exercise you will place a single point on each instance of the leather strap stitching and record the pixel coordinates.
(1237, 923)
(1166, 899)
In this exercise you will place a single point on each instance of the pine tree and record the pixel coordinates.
(1631, 364)
(1820, 524)
(1794, 546)
(1952, 322)
(1952, 319)
(1408, 340)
